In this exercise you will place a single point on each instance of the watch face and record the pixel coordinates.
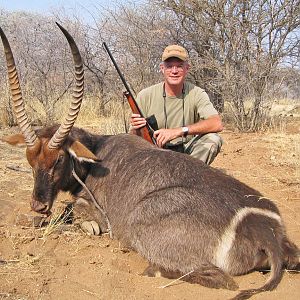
(185, 131)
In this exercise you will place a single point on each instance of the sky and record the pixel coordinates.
(85, 7)
(47, 5)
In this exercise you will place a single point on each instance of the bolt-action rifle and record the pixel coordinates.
(145, 132)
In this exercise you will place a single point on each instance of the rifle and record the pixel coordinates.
(145, 132)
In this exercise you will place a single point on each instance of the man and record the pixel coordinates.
(183, 111)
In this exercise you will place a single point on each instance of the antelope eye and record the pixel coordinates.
(60, 159)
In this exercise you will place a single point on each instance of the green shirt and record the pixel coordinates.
(175, 111)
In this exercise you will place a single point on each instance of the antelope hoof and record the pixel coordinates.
(91, 227)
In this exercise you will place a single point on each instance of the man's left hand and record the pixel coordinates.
(163, 136)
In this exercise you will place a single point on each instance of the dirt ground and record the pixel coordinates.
(70, 264)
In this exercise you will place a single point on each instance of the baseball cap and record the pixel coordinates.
(174, 51)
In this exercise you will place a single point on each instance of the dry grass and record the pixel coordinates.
(112, 123)
(274, 115)
(286, 101)
(59, 217)
(89, 117)
(25, 264)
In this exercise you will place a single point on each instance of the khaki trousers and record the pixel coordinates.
(204, 147)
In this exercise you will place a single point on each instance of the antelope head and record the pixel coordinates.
(48, 154)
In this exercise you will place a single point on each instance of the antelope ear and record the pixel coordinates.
(15, 139)
(82, 153)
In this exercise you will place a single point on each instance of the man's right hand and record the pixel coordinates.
(136, 121)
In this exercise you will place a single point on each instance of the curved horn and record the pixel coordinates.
(18, 103)
(64, 129)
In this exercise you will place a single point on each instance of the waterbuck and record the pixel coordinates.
(183, 216)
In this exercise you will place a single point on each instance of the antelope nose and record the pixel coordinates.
(39, 207)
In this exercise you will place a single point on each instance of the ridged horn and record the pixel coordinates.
(64, 129)
(18, 103)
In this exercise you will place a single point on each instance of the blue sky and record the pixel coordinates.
(83, 8)
(48, 5)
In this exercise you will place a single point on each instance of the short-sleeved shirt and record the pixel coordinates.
(188, 108)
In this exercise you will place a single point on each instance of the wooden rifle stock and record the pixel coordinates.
(145, 132)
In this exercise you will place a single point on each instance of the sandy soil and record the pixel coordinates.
(70, 264)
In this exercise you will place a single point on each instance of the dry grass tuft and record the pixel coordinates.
(59, 217)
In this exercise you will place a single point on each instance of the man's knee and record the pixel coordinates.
(213, 139)
(205, 147)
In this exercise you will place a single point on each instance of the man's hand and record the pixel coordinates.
(163, 136)
(136, 121)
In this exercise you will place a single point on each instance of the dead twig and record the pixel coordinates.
(164, 286)
(17, 168)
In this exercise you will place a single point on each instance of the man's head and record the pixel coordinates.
(174, 65)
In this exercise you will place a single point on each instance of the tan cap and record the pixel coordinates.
(174, 51)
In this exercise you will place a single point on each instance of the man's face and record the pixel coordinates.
(174, 70)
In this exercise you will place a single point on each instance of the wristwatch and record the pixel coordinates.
(185, 131)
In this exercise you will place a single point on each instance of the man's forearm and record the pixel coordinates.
(212, 124)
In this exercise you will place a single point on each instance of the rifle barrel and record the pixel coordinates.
(148, 133)
(118, 70)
